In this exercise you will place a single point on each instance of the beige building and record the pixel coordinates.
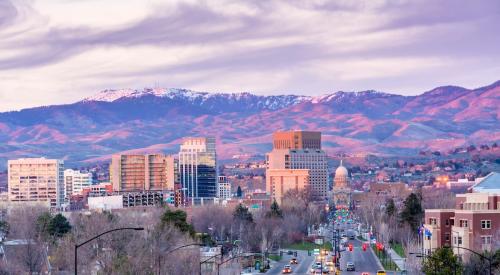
(279, 181)
(297, 140)
(36, 180)
(143, 172)
(313, 160)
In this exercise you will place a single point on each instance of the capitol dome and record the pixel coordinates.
(341, 171)
(341, 176)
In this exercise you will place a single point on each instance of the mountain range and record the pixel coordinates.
(156, 120)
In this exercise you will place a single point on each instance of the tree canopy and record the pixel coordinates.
(178, 219)
(442, 262)
(52, 226)
(242, 214)
(390, 208)
(412, 211)
(274, 211)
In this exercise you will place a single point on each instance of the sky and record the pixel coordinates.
(61, 51)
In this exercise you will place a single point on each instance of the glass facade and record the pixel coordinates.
(198, 168)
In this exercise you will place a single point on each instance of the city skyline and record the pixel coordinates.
(277, 47)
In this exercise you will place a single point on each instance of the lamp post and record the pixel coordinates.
(95, 237)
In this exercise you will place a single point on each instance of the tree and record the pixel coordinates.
(239, 193)
(274, 211)
(4, 229)
(242, 214)
(442, 261)
(178, 219)
(43, 225)
(412, 211)
(59, 226)
(390, 208)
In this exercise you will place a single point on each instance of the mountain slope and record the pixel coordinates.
(157, 119)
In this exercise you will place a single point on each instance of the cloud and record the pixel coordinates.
(66, 50)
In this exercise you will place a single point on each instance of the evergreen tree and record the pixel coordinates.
(178, 219)
(58, 226)
(4, 229)
(412, 211)
(442, 262)
(242, 214)
(274, 211)
(390, 208)
(239, 192)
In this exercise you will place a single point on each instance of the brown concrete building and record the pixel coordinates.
(297, 140)
(280, 181)
(473, 224)
(143, 172)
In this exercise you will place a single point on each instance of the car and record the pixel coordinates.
(289, 252)
(294, 261)
(381, 272)
(287, 269)
(365, 273)
(350, 266)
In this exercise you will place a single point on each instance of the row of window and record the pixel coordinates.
(485, 224)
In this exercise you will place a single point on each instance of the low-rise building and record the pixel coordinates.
(473, 224)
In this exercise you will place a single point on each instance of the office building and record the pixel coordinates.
(130, 173)
(198, 168)
(36, 180)
(304, 153)
(223, 188)
(280, 181)
(297, 140)
(74, 182)
(473, 224)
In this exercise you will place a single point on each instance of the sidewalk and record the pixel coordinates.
(400, 262)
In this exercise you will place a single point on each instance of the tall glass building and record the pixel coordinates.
(198, 168)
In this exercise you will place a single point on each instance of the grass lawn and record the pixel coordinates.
(386, 261)
(275, 257)
(308, 246)
(398, 248)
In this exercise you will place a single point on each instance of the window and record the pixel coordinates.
(485, 239)
(463, 223)
(459, 241)
(485, 224)
(432, 221)
(447, 222)
(447, 237)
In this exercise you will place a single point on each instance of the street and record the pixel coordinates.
(303, 267)
(364, 261)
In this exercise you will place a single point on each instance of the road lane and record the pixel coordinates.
(304, 260)
(364, 261)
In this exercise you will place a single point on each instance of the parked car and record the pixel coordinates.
(381, 272)
(350, 266)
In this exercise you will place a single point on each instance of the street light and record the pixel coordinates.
(93, 238)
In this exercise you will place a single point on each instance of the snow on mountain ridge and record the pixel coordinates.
(272, 102)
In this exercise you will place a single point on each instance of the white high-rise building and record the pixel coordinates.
(36, 180)
(75, 181)
(223, 188)
(198, 168)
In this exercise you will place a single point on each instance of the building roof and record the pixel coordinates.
(341, 171)
(489, 184)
